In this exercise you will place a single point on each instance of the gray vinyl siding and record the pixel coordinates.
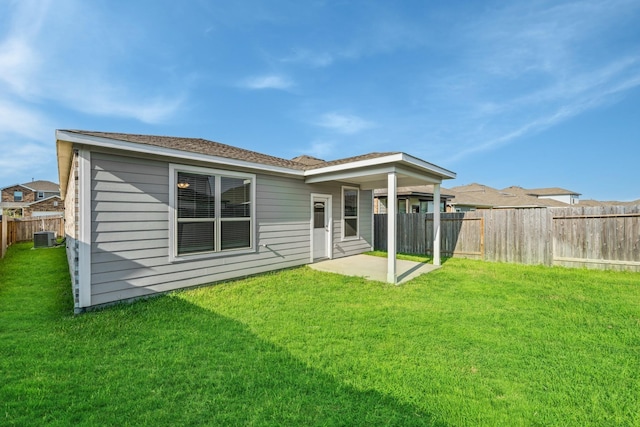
(130, 230)
(349, 247)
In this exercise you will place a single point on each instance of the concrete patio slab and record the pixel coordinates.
(373, 267)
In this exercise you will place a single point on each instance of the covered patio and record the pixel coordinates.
(390, 171)
(373, 268)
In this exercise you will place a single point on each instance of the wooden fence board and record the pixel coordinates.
(594, 237)
(21, 230)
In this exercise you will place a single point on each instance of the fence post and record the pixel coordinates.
(3, 237)
(436, 224)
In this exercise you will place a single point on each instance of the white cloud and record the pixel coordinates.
(22, 158)
(33, 71)
(530, 66)
(271, 81)
(103, 98)
(16, 120)
(344, 123)
(18, 63)
(322, 149)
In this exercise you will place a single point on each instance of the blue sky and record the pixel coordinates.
(529, 93)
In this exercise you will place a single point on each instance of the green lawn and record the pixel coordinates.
(471, 344)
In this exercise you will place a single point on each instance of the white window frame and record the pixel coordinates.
(173, 214)
(40, 195)
(343, 217)
(21, 196)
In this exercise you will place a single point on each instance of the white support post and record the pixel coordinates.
(392, 205)
(436, 224)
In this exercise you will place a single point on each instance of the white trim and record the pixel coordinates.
(373, 224)
(173, 230)
(345, 175)
(436, 224)
(384, 160)
(329, 212)
(367, 173)
(84, 228)
(392, 206)
(178, 154)
(342, 217)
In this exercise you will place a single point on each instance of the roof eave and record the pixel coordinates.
(109, 143)
(401, 158)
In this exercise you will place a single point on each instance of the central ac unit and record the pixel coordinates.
(44, 239)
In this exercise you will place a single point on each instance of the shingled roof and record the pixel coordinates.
(212, 148)
(42, 185)
(484, 196)
(553, 191)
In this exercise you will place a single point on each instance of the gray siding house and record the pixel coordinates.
(149, 214)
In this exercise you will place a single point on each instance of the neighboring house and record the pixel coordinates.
(477, 196)
(148, 214)
(559, 194)
(591, 202)
(32, 199)
(416, 199)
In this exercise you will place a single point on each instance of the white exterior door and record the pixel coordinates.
(320, 227)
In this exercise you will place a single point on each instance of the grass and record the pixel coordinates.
(471, 344)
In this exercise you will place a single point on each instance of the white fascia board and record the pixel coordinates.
(414, 161)
(383, 170)
(169, 152)
(385, 160)
(352, 165)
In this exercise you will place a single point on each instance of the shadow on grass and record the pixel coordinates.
(166, 361)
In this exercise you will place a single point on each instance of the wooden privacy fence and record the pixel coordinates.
(597, 237)
(21, 230)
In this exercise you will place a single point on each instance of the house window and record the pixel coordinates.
(382, 205)
(40, 194)
(17, 196)
(402, 205)
(213, 211)
(350, 212)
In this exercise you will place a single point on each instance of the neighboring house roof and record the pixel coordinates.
(39, 185)
(483, 196)
(415, 191)
(591, 202)
(44, 200)
(555, 191)
(13, 205)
